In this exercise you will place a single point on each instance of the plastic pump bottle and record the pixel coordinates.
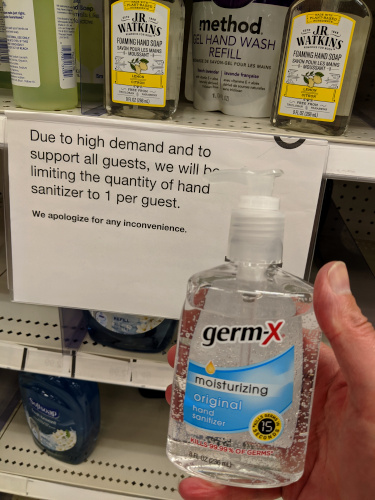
(5, 79)
(130, 332)
(247, 355)
(41, 52)
(63, 414)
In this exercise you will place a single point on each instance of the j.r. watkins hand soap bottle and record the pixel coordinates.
(247, 355)
(324, 47)
(143, 52)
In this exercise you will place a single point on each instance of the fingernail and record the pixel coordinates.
(338, 279)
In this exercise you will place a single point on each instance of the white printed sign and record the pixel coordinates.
(117, 215)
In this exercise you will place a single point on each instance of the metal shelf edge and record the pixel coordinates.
(43, 490)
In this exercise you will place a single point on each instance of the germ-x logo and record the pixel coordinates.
(243, 334)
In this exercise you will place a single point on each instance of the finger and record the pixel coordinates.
(171, 355)
(352, 337)
(194, 488)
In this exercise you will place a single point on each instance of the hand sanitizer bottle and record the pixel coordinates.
(247, 355)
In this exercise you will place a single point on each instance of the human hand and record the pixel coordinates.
(340, 461)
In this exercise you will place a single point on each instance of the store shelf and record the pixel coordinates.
(30, 340)
(30, 336)
(28, 325)
(150, 370)
(129, 459)
(351, 162)
(360, 132)
(351, 155)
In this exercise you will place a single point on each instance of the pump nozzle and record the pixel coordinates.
(257, 225)
(264, 180)
(259, 186)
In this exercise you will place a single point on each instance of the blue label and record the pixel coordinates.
(227, 399)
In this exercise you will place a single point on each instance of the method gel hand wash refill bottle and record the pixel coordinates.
(247, 355)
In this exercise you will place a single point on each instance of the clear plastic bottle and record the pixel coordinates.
(143, 55)
(40, 36)
(88, 16)
(322, 56)
(63, 414)
(246, 358)
(5, 80)
(130, 332)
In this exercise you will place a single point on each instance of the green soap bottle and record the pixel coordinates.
(5, 81)
(40, 36)
(89, 50)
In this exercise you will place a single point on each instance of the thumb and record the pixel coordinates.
(351, 336)
(194, 488)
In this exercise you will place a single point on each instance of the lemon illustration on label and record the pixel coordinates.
(139, 65)
(312, 78)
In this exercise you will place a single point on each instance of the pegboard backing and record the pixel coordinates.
(29, 325)
(365, 99)
(355, 202)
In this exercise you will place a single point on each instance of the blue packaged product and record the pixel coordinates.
(130, 332)
(63, 415)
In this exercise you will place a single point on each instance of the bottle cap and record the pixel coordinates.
(257, 225)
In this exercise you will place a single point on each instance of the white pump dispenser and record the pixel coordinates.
(247, 354)
(257, 225)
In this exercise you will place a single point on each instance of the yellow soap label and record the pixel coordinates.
(139, 41)
(314, 71)
(141, 80)
(323, 17)
(139, 5)
(303, 92)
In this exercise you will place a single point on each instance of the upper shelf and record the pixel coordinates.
(30, 340)
(360, 130)
(351, 155)
(30, 336)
